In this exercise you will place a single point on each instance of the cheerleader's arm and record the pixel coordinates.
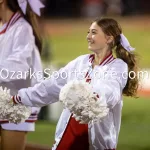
(47, 91)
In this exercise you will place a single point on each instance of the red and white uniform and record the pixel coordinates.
(70, 135)
(18, 54)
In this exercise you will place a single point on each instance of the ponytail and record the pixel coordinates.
(131, 60)
(112, 27)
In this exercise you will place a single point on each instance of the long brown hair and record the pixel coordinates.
(31, 18)
(111, 28)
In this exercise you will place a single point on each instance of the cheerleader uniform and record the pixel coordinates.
(19, 59)
(70, 135)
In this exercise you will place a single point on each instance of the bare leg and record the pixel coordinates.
(13, 140)
(16, 140)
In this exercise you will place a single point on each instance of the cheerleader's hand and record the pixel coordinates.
(86, 106)
(8, 110)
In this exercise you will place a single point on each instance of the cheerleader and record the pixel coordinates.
(20, 48)
(104, 38)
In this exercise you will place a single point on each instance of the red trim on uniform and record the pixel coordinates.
(104, 62)
(13, 98)
(86, 75)
(109, 60)
(32, 118)
(75, 136)
(96, 95)
(15, 18)
(91, 58)
(29, 121)
(17, 99)
(88, 80)
(3, 122)
(4, 30)
(12, 20)
(105, 59)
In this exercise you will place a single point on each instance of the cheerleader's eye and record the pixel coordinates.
(93, 32)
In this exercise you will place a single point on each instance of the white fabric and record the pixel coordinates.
(102, 135)
(125, 43)
(35, 5)
(14, 113)
(19, 127)
(18, 53)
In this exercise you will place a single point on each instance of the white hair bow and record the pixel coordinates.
(125, 43)
(35, 5)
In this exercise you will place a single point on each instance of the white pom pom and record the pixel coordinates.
(13, 113)
(79, 98)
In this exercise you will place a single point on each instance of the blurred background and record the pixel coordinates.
(64, 27)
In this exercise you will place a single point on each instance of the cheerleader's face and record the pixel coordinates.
(97, 40)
